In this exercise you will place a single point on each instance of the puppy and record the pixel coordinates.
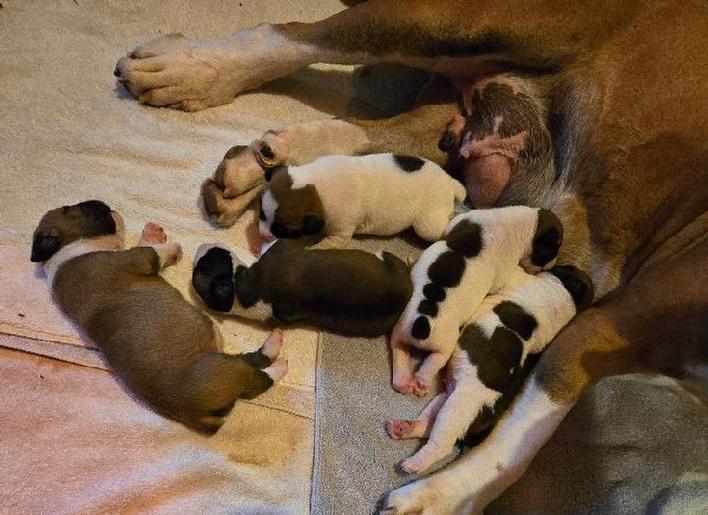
(339, 196)
(479, 255)
(493, 356)
(348, 292)
(164, 349)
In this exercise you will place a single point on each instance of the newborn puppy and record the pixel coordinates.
(348, 292)
(164, 349)
(479, 255)
(339, 196)
(492, 360)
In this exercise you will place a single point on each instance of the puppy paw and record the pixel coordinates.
(399, 428)
(277, 370)
(271, 347)
(420, 387)
(404, 386)
(414, 465)
(170, 253)
(152, 234)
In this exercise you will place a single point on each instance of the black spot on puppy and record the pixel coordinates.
(515, 318)
(213, 279)
(495, 357)
(447, 269)
(421, 328)
(578, 284)
(548, 238)
(434, 292)
(465, 238)
(408, 163)
(428, 307)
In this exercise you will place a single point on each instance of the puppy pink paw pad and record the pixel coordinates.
(153, 233)
(398, 428)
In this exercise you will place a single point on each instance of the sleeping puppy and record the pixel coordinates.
(349, 292)
(493, 356)
(164, 349)
(479, 255)
(339, 196)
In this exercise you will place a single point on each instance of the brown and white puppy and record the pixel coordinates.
(349, 292)
(165, 350)
(339, 196)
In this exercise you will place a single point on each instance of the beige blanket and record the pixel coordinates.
(71, 440)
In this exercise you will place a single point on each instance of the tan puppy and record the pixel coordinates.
(164, 349)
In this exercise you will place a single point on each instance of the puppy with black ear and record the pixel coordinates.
(480, 253)
(494, 354)
(339, 196)
(349, 292)
(164, 349)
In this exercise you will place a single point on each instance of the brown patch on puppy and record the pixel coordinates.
(164, 349)
(63, 225)
(299, 211)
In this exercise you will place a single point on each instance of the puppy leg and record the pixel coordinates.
(455, 416)
(402, 373)
(268, 352)
(400, 429)
(424, 377)
(154, 236)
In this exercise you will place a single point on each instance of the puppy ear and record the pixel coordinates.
(578, 284)
(312, 225)
(547, 240)
(270, 172)
(45, 246)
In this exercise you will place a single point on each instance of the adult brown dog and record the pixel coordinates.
(595, 110)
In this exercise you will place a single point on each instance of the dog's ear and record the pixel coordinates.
(578, 284)
(221, 293)
(45, 245)
(312, 225)
(547, 239)
(270, 172)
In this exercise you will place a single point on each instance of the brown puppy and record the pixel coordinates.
(164, 349)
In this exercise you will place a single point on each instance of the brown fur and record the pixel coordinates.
(163, 348)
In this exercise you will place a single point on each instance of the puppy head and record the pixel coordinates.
(288, 212)
(64, 225)
(545, 244)
(215, 276)
(578, 284)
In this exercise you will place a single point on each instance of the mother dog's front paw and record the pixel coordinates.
(172, 71)
(175, 72)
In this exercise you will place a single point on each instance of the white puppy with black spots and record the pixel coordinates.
(492, 359)
(339, 196)
(480, 255)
